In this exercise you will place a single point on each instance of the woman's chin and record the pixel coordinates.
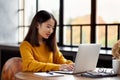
(46, 37)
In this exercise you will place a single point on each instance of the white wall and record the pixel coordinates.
(9, 21)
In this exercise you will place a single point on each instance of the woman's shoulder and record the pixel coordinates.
(25, 43)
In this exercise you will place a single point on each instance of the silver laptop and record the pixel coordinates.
(86, 58)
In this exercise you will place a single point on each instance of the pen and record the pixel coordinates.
(51, 73)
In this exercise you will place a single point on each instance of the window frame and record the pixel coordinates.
(61, 25)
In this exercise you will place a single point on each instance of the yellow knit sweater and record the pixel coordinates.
(40, 58)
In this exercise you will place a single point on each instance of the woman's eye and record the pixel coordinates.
(48, 26)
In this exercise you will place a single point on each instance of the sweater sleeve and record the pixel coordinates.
(60, 59)
(29, 62)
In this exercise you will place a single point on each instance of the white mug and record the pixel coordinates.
(116, 66)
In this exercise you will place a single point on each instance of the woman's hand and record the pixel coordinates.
(68, 67)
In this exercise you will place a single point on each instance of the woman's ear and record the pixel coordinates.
(38, 24)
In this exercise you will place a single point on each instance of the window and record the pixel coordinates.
(74, 16)
(53, 7)
(27, 9)
(74, 20)
(107, 13)
(21, 20)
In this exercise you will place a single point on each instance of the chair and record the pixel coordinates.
(11, 67)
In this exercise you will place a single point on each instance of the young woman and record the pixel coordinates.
(39, 49)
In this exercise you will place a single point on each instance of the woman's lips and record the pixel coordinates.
(48, 35)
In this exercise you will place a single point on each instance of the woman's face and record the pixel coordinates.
(46, 29)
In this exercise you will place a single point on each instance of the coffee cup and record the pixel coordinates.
(116, 66)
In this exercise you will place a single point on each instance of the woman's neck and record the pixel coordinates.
(40, 39)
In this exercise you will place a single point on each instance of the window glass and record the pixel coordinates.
(100, 35)
(53, 7)
(21, 11)
(112, 35)
(107, 13)
(21, 20)
(76, 12)
(30, 10)
(27, 9)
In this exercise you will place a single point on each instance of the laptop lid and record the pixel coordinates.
(86, 57)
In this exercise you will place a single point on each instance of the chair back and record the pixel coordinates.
(10, 68)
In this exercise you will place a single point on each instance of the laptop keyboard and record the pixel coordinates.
(98, 74)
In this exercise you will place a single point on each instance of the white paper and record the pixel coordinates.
(48, 74)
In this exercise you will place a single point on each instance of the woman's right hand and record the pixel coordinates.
(68, 67)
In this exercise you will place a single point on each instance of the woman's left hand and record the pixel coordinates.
(68, 67)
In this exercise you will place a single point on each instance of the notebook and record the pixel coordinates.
(86, 58)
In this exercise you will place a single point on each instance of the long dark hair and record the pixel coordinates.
(32, 35)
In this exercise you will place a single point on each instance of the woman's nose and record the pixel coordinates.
(51, 30)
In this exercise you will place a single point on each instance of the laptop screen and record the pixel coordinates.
(87, 57)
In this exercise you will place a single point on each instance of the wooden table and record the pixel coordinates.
(31, 76)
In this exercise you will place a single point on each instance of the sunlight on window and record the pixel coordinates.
(108, 11)
(27, 9)
(30, 10)
(75, 9)
(52, 7)
(76, 20)
(76, 12)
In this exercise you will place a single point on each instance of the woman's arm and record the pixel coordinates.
(60, 59)
(29, 62)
